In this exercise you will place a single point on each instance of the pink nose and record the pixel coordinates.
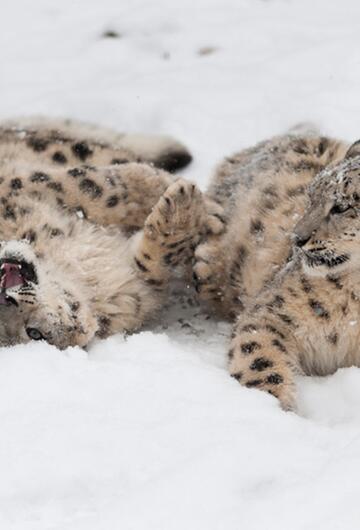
(11, 275)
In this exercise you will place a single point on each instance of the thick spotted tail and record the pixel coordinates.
(68, 142)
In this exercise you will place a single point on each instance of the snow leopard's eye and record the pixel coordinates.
(339, 208)
(34, 334)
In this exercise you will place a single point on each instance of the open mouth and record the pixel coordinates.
(328, 259)
(14, 273)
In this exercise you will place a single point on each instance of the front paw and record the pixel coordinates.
(178, 212)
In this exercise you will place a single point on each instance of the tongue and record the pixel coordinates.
(11, 275)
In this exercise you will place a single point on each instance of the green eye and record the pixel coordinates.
(34, 334)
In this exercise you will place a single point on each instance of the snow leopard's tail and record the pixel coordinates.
(163, 151)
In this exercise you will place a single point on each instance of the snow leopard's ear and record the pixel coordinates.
(354, 150)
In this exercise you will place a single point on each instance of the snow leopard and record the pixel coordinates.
(92, 224)
(286, 269)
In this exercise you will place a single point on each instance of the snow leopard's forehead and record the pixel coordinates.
(339, 182)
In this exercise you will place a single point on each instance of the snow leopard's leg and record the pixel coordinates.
(262, 355)
(171, 232)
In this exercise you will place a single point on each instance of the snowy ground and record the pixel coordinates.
(151, 433)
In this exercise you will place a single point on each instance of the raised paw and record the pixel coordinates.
(179, 212)
(177, 221)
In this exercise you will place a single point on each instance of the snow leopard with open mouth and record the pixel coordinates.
(287, 268)
(91, 228)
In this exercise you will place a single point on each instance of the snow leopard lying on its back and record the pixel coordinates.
(287, 268)
(89, 234)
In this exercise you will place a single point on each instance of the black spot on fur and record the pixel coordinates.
(285, 318)
(249, 347)
(37, 144)
(118, 161)
(260, 364)
(269, 204)
(279, 345)
(153, 281)
(56, 186)
(30, 235)
(237, 376)
(275, 331)
(305, 284)
(168, 257)
(112, 201)
(242, 255)
(173, 257)
(278, 301)
(104, 327)
(75, 306)
(91, 188)
(39, 176)
(16, 184)
(81, 150)
(253, 383)
(300, 146)
(9, 213)
(275, 379)
(141, 266)
(335, 280)
(333, 338)
(177, 243)
(318, 309)
(256, 226)
(271, 191)
(59, 157)
(249, 328)
(77, 172)
(231, 353)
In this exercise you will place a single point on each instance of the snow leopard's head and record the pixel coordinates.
(328, 234)
(39, 302)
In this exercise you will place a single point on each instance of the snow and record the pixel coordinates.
(149, 431)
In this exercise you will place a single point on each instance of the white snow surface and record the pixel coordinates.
(150, 432)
